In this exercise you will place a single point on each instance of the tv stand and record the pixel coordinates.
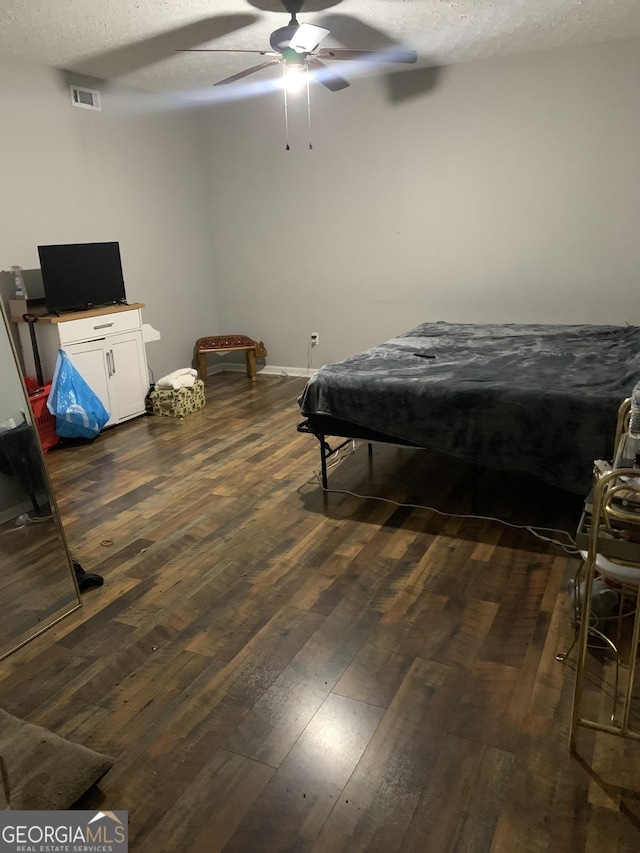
(105, 344)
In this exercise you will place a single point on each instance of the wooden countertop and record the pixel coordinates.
(37, 307)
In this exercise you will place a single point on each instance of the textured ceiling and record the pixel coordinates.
(135, 41)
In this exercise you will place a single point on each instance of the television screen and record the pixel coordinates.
(77, 276)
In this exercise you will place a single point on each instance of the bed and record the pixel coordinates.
(540, 400)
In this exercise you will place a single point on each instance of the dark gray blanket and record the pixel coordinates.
(539, 400)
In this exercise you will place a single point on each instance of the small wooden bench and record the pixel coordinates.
(228, 343)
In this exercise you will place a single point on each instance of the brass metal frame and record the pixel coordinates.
(614, 522)
(622, 423)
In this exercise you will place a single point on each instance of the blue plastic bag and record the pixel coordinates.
(78, 411)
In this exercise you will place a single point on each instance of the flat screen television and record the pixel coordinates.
(78, 276)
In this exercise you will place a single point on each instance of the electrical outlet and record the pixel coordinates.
(315, 339)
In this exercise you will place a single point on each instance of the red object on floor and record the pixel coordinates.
(42, 417)
(32, 384)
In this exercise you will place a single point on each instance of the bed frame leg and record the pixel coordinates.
(326, 451)
(323, 461)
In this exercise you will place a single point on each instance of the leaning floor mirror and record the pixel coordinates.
(37, 580)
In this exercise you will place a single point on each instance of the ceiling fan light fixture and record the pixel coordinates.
(296, 48)
(295, 77)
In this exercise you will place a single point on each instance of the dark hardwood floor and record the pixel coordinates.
(276, 669)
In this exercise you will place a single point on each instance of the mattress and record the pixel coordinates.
(541, 400)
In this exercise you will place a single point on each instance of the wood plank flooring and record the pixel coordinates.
(278, 669)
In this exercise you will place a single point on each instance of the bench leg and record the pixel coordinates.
(251, 364)
(201, 365)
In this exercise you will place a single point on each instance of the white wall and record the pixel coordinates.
(131, 173)
(509, 192)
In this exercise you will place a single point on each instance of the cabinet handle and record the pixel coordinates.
(103, 326)
(113, 362)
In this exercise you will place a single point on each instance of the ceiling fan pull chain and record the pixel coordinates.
(286, 112)
(306, 72)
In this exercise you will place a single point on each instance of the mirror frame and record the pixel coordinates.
(52, 619)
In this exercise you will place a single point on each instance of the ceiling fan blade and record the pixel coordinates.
(225, 50)
(307, 37)
(246, 72)
(332, 81)
(390, 54)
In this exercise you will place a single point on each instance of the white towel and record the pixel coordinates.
(183, 378)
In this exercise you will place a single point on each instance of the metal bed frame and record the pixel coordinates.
(322, 427)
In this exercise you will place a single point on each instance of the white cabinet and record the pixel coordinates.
(107, 348)
(116, 369)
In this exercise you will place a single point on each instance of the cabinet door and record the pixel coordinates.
(90, 361)
(128, 380)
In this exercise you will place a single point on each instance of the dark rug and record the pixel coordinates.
(41, 770)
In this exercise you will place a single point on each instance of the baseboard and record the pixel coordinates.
(13, 513)
(267, 370)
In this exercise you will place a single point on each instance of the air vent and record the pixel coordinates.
(87, 99)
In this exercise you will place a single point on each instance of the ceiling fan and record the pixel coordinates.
(296, 48)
